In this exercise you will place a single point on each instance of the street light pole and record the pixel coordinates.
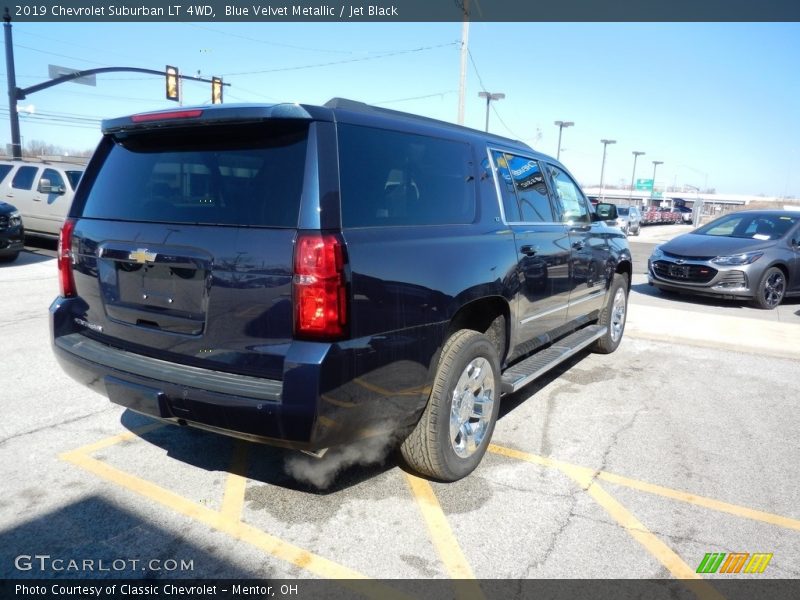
(16, 142)
(561, 125)
(489, 97)
(636, 154)
(603, 167)
(655, 166)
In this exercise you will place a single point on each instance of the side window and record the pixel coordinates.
(55, 178)
(23, 178)
(395, 178)
(524, 176)
(506, 186)
(572, 202)
(4, 170)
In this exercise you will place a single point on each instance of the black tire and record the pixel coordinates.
(638, 229)
(771, 289)
(7, 258)
(430, 449)
(613, 315)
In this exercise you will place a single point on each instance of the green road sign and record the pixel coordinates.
(644, 184)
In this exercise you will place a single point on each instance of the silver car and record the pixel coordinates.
(629, 219)
(751, 255)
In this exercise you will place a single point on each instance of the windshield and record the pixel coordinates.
(623, 211)
(756, 226)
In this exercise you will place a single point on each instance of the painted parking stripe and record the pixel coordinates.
(586, 478)
(236, 483)
(278, 548)
(445, 543)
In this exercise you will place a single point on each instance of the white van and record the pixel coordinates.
(41, 191)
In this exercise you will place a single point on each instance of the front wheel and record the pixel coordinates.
(7, 258)
(613, 315)
(453, 433)
(771, 289)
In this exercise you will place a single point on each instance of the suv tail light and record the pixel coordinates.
(319, 287)
(66, 281)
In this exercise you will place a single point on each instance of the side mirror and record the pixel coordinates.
(45, 187)
(605, 211)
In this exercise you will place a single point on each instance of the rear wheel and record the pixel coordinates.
(453, 433)
(771, 289)
(613, 315)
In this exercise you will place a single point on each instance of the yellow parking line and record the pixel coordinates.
(278, 548)
(443, 539)
(233, 501)
(734, 509)
(664, 554)
(116, 439)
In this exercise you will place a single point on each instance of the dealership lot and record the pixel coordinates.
(631, 465)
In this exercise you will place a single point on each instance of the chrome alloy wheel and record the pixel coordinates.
(774, 289)
(471, 407)
(618, 309)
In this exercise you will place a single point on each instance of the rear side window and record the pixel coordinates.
(233, 175)
(394, 178)
(23, 178)
(74, 177)
(4, 170)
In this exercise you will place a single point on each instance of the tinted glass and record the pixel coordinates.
(74, 177)
(23, 178)
(506, 186)
(534, 203)
(4, 170)
(54, 177)
(574, 208)
(393, 178)
(232, 175)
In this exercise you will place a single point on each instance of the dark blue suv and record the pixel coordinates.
(307, 276)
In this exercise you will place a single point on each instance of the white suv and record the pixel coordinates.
(41, 191)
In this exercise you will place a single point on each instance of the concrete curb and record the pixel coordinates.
(753, 336)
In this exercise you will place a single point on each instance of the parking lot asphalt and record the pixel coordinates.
(630, 465)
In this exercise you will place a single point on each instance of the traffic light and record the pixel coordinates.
(216, 90)
(173, 89)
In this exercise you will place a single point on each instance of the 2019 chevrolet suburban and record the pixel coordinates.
(306, 276)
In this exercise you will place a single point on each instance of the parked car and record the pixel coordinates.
(629, 219)
(685, 212)
(42, 191)
(12, 233)
(748, 254)
(309, 275)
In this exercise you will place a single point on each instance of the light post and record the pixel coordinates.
(603, 167)
(561, 125)
(489, 97)
(636, 155)
(655, 166)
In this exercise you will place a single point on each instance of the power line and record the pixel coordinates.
(483, 87)
(260, 41)
(340, 62)
(438, 94)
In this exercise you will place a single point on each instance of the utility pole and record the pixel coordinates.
(462, 80)
(603, 167)
(561, 125)
(636, 154)
(16, 142)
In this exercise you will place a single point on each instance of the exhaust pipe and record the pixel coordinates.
(315, 453)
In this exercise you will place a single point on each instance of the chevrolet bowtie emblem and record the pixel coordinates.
(143, 255)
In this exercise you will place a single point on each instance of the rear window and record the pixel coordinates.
(393, 178)
(232, 175)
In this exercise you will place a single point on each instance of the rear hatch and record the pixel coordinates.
(183, 240)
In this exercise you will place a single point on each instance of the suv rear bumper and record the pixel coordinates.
(321, 402)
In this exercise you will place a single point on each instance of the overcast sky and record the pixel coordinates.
(719, 104)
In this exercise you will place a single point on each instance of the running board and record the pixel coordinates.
(522, 373)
